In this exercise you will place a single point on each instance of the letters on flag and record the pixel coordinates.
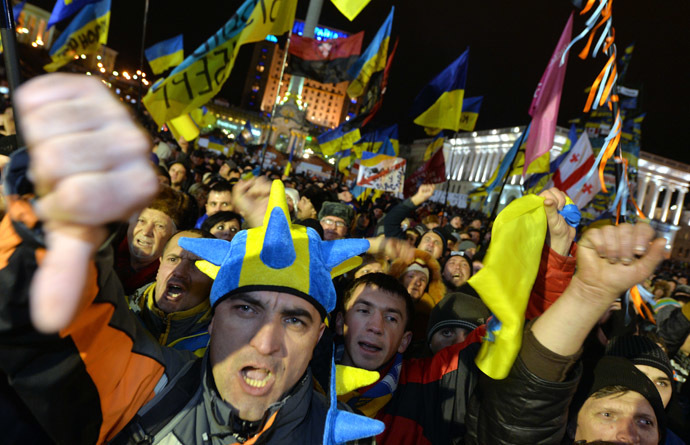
(202, 74)
(84, 35)
(165, 54)
(573, 169)
(470, 112)
(326, 61)
(381, 172)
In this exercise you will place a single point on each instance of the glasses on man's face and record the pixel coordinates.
(331, 222)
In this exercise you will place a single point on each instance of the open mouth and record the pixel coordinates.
(173, 291)
(256, 377)
(143, 243)
(369, 347)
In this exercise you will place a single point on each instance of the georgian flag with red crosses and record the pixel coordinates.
(574, 167)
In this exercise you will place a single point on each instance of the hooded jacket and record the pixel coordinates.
(435, 290)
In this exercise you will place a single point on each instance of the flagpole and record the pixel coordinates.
(492, 215)
(452, 152)
(8, 34)
(275, 103)
(141, 54)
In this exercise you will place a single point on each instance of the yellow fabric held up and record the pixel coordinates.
(444, 113)
(505, 282)
(183, 126)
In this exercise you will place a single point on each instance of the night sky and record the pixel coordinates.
(510, 44)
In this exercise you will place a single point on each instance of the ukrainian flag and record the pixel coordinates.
(337, 140)
(439, 104)
(372, 60)
(165, 54)
(371, 159)
(434, 146)
(84, 35)
(470, 112)
(383, 140)
(64, 9)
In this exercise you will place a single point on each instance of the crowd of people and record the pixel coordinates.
(153, 292)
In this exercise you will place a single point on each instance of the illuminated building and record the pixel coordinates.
(31, 27)
(326, 105)
(660, 192)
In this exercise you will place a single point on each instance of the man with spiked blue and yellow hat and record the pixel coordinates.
(85, 368)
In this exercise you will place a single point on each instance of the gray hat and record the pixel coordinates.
(466, 245)
(337, 209)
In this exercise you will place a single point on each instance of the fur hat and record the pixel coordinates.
(337, 209)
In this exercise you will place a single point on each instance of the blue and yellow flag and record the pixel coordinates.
(350, 8)
(434, 146)
(64, 9)
(470, 112)
(382, 140)
(337, 140)
(17, 10)
(439, 104)
(372, 60)
(505, 282)
(84, 35)
(165, 54)
(201, 75)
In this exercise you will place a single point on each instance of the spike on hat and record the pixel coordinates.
(277, 256)
(343, 426)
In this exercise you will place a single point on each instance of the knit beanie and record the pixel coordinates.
(641, 351)
(457, 309)
(463, 255)
(316, 196)
(614, 371)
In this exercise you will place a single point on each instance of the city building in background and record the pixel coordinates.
(31, 27)
(471, 158)
(324, 105)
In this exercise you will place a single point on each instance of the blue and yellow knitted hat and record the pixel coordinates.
(277, 256)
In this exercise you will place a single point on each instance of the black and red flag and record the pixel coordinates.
(326, 61)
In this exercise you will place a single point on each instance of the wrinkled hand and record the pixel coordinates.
(424, 192)
(612, 259)
(89, 165)
(250, 199)
(559, 235)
